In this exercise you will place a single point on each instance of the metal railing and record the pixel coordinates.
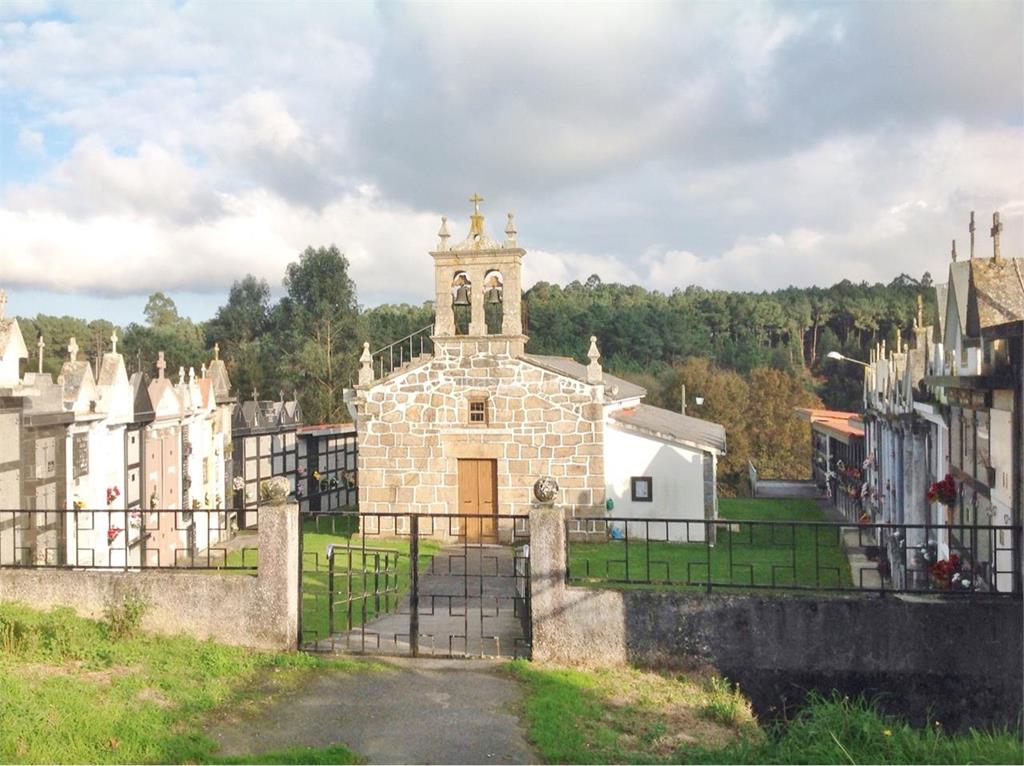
(394, 355)
(794, 556)
(451, 585)
(125, 539)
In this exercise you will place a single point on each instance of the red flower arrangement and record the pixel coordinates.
(112, 494)
(943, 491)
(950, 572)
(112, 534)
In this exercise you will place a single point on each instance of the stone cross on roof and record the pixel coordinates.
(997, 228)
(40, 344)
(954, 251)
(202, 370)
(476, 225)
(3, 302)
(161, 364)
(971, 229)
(255, 394)
(216, 351)
(113, 342)
(920, 310)
(73, 349)
(191, 374)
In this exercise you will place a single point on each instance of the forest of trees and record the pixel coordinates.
(752, 357)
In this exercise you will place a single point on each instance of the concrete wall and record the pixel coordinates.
(961, 658)
(259, 611)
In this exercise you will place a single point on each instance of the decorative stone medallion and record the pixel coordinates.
(545, 489)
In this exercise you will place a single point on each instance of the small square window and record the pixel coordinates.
(641, 489)
(478, 412)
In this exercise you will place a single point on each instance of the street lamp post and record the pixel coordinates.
(840, 357)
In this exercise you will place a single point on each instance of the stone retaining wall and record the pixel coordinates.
(962, 657)
(260, 610)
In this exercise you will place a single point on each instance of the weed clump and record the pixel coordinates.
(123, 618)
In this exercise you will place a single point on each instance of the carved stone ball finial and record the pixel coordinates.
(545, 489)
(366, 366)
(275, 491)
(595, 374)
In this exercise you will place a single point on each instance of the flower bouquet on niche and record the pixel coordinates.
(943, 491)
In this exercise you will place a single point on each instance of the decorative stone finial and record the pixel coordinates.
(40, 344)
(181, 376)
(510, 231)
(997, 228)
(275, 490)
(191, 375)
(366, 366)
(953, 251)
(545, 489)
(443, 234)
(3, 302)
(216, 351)
(970, 228)
(73, 349)
(255, 394)
(594, 372)
(161, 364)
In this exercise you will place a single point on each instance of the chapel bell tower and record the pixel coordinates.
(478, 291)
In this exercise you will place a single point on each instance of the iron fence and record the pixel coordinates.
(794, 556)
(451, 585)
(123, 539)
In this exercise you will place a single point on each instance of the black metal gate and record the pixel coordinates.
(451, 585)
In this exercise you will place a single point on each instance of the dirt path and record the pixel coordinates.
(414, 711)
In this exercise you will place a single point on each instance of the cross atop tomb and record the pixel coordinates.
(3, 302)
(255, 394)
(920, 310)
(954, 251)
(161, 364)
(216, 351)
(113, 342)
(40, 344)
(202, 370)
(73, 349)
(997, 228)
(971, 229)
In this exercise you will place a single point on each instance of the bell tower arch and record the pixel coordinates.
(485, 277)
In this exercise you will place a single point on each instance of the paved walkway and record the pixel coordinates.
(414, 711)
(469, 605)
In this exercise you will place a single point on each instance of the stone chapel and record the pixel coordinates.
(469, 427)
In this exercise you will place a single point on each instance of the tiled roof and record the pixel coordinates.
(997, 292)
(673, 426)
(615, 389)
(844, 423)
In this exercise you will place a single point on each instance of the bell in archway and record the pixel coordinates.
(494, 295)
(461, 296)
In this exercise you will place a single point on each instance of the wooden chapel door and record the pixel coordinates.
(478, 497)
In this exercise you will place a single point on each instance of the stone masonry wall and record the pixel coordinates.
(414, 427)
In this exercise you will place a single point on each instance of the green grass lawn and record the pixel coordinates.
(625, 715)
(72, 693)
(742, 554)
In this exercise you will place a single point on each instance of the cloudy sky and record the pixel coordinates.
(177, 146)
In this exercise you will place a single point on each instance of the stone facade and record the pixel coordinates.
(413, 430)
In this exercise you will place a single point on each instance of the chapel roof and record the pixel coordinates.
(674, 426)
(615, 389)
